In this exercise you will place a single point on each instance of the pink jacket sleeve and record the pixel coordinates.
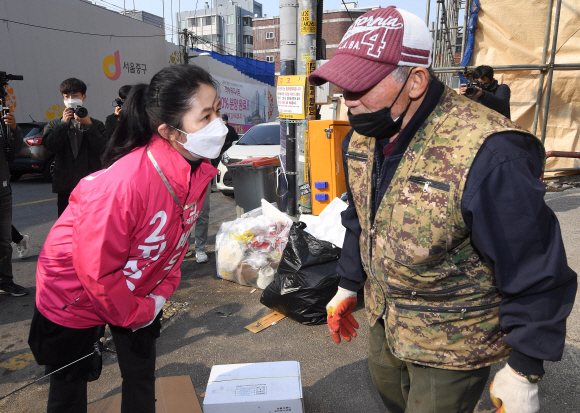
(100, 248)
(170, 283)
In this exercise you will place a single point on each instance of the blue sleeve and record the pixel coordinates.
(519, 236)
(349, 266)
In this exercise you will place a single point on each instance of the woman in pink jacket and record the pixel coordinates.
(113, 256)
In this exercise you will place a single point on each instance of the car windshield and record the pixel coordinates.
(262, 135)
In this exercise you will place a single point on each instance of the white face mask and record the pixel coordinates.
(206, 142)
(71, 103)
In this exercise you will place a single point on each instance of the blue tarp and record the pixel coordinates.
(256, 69)
(471, 26)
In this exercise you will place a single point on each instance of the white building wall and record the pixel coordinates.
(46, 57)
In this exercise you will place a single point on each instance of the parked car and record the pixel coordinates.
(260, 140)
(33, 158)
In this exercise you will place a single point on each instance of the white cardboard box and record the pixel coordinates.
(257, 387)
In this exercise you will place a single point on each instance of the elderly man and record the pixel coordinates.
(463, 262)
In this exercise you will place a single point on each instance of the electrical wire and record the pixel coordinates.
(218, 46)
(348, 11)
(72, 31)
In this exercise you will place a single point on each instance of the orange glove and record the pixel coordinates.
(339, 311)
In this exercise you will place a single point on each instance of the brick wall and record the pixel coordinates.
(262, 27)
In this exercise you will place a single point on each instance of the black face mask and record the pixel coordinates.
(379, 124)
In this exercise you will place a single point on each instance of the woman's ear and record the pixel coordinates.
(166, 132)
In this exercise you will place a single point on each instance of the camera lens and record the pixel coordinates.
(80, 111)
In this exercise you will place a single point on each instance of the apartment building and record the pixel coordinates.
(223, 26)
(335, 23)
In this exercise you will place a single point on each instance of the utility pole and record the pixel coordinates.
(306, 62)
(186, 48)
(288, 29)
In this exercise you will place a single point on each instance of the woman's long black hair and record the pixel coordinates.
(164, 100)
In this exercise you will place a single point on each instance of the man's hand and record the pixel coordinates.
(476, 96)
(86, 121)
(67, 115)
(10, 120)
(118, 110)
(340, 320)
(512, 393)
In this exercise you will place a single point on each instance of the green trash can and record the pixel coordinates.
(254, 179)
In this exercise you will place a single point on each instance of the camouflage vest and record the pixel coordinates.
(438, 297)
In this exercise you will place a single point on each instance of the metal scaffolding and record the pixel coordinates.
(447, 59)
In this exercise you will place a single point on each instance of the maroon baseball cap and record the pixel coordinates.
(374, 45)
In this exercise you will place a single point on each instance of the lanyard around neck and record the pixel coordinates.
(168, 186)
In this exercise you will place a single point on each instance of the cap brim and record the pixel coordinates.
(351, 73)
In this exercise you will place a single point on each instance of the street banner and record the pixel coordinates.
(246, 104)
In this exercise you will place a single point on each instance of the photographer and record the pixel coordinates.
(488, 92)
(13, 144)
(77, 140)
(112, 120)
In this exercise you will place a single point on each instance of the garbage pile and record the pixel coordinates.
(294, 263)
(249, 249)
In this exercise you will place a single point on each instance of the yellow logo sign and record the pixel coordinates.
(112, 60)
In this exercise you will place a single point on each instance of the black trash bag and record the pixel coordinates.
(306, 279)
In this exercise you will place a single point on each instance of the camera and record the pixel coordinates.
(4, 129)
(5, 77)
(80, 111)
(471, 88)
(118, 102)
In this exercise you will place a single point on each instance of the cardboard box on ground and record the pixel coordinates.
(248, 388)
(173, 395)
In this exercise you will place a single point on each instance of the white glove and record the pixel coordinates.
(512, 393)
(159, 302)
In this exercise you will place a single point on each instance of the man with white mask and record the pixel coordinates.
(77, 140)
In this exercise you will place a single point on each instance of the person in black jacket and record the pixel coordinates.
(77, 141)
(112, 120)
(463, 262)
(7, 285)
(231, 137)
(492, 95)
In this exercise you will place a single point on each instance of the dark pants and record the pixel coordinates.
(138, 387)
(6, 239)
(16, 236)
(410, 388)
(62, 202)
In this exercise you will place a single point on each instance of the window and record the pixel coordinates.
(269, 35)
(238, 38)
(248, 39)
(230, 19)
(269, 59)
(239, 21)
(458, 43)
(207, 21)
(248, 21)
(262, 135)
(230, 37)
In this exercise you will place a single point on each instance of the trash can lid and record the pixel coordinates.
(255, 162)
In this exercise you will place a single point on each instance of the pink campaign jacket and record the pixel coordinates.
(120, 239)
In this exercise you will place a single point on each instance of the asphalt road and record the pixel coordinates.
(335, 378)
